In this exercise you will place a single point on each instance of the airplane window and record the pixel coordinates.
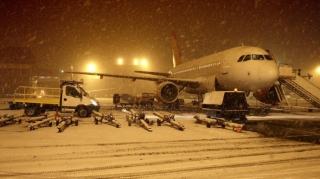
(268, 57)
(248, 57)
(240, 59)
(257, 57)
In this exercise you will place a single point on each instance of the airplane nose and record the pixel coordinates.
(268, 74)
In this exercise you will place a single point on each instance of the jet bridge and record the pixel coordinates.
(299, 85)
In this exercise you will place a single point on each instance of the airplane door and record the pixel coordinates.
(225, 67)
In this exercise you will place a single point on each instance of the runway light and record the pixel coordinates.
(318, 69)
(236, 89)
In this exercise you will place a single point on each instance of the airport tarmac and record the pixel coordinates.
(104, 151)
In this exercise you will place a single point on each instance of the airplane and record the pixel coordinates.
(244, 68)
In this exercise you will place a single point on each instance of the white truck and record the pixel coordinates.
(70, 97)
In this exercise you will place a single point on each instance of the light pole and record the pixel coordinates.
(72, 73)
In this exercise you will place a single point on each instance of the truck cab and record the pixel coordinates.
(75, 99)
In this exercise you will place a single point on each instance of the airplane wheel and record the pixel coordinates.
(158, 122)
(95, 121)
(50, 124)
(59, 130)
(31, 128)
(223, 126)
(57, 122)
(76, 123)
(208, 124)
(129, 123)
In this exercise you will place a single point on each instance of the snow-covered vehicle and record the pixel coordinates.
(70, 97)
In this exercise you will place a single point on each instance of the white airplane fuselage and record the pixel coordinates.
(253, 74)
(249, 69)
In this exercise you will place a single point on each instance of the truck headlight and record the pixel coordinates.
(94, 103)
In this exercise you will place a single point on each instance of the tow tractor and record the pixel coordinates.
(230, 105)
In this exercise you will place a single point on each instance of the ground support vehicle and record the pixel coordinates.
(123, 100)
(145, 100)
(14, 106)
(263, 109)
(10, 119)
(66, 121)
(169, 119)
(230, 105)
(138, 118)
(219, 121)
(99, 117)
(70, 97)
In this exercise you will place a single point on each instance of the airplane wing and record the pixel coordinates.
(154, 73)
(178, 81)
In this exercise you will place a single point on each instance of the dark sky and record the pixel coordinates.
(69, 32)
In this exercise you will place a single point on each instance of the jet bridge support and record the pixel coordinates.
(169, 119)
(37, 122)
(66, 121)
(299, 85)
(138, 118)
(110, 119)
(219, 121)
(10, 119)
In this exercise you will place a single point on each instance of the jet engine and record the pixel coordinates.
(268, 96)
(167, 92)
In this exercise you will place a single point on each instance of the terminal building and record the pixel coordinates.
(18, 67)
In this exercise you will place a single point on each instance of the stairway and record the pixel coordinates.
(304, 88)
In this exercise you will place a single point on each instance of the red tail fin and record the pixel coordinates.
(176, 52)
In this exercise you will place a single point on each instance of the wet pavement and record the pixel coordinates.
(300, 126)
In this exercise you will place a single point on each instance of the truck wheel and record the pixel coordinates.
(82, 111)
(31, 111)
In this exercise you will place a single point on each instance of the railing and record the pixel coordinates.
(304, 89)
(27, 94)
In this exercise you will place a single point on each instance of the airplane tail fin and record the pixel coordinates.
(176, 52)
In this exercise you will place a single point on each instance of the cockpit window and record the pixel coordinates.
(248, 57)
(257, 57)
(254, 57)
(240, 59)
(268, 57)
